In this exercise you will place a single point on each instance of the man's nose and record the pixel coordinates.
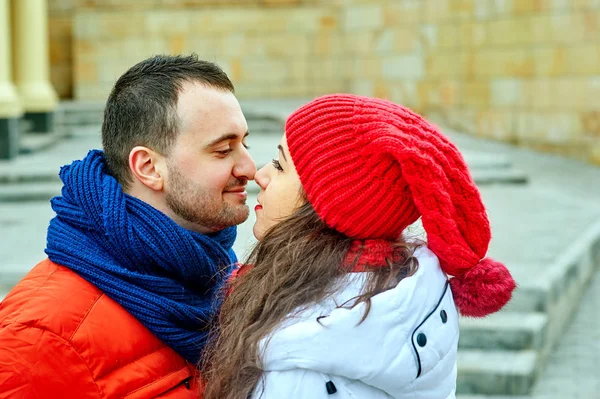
(245, 166)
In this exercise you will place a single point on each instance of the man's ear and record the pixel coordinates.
(148, 167)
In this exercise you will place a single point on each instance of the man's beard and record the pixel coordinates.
(196, 205)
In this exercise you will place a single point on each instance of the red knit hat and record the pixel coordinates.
(370, 168)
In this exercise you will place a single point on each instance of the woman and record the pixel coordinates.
(336, 302)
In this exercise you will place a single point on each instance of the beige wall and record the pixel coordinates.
(522, 71)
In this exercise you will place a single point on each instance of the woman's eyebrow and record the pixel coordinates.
(282, 153)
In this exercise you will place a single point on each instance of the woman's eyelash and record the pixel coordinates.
(277, 165)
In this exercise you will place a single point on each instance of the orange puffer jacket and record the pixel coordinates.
(61, 337)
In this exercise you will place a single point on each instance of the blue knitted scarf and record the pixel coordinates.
(164, 275)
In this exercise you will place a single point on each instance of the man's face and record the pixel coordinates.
(209, 165)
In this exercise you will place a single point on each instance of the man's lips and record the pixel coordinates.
(239, 192)
(236, 190)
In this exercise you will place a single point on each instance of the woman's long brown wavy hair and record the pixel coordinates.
(296, 264)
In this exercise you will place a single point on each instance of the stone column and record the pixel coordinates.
(10, 108)
(32, 63)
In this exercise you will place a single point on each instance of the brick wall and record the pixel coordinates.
(522, 71)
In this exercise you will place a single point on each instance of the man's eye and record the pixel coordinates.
(225, 152)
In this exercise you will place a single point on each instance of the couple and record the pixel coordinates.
(140, 296)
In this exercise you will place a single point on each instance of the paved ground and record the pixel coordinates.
(532, 224)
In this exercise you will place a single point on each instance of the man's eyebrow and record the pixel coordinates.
(225, 137)
(282, 153)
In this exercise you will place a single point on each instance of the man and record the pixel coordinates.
(140, 244)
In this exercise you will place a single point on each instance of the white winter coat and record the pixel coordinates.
(406, 347)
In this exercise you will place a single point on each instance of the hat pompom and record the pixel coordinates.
(483, 290)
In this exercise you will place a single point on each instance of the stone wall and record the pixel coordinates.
(522, 71)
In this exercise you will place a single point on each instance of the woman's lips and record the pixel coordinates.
(257, 207)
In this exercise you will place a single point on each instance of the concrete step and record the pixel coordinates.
(505, 330)
(79, 113)
(496, 372)
(504, 354)
(34, 142)
(498, 176)
(38, 191)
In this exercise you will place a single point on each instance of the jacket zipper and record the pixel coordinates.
(185, 382)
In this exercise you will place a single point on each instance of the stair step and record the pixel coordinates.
(505, 330)
(484, 176)
(39, 191)
(486, 160)
(496, 372)
(33, 142)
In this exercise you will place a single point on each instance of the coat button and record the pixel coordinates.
(421, 340)
(444, 316)
(330, 386)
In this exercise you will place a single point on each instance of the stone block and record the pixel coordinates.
(404, 93)
(178, 44)
(541, 28)
(497, 125)
(593, 92)
(163, 22)
(268, 71)
(472, 34)
(234, 44)
(9, 137)
(323, 44)
(122, 24)
(85, 72)
(384, 42)
(403, 67)
(436, 11)
(363, 88)
(448, 35)
(329, 22)
(516, 62)
(538, 93)
(86, 25)
(567, 28)
(505, 92)
(583, 59)
(407, 40)
(557, 127)
(206, 47)
(550, 61)
(364, 17)
(449, 93)
(362, 67)
(428, 34)
(39, 122)
(500, 31)
(403, 13)
(324, 69)
(358, 43)
(476, 93)
(301, 20)
(483, 10)
(298, 70)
